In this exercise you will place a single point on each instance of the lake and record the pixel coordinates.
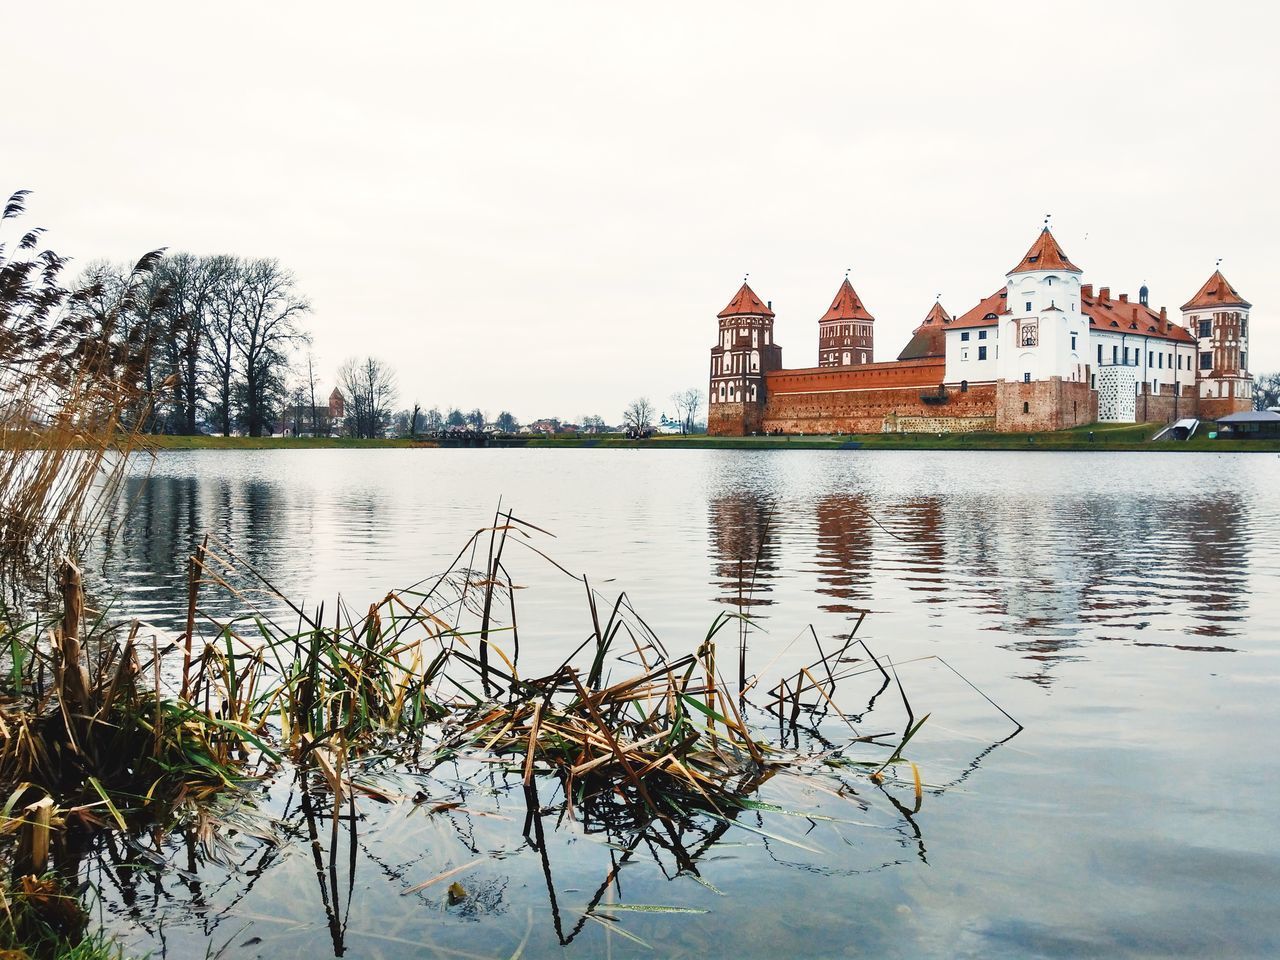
(1123, 608)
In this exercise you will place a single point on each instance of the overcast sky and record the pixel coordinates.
(541, 207)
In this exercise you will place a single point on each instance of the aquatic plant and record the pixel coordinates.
(71, 399)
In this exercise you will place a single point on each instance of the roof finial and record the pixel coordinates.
(1218, 264)
(846, 272)
(1046, 220)
(937, 297)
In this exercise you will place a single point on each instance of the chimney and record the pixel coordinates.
(1104, 293)
(1124, 298)
(1086, 291)
(1164, 314)
(770, 304)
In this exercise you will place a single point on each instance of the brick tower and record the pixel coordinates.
(739, 361)
(1218, 318)
(846, 331)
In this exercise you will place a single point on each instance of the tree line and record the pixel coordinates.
(218, 334)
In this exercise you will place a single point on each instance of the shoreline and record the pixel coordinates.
(1126, 438)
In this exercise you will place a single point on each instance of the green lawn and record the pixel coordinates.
(1105, 437)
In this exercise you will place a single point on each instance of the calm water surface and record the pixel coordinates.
(1124, 608)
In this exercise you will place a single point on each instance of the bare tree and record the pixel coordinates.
(507, 422)
(311, 379)
(639, 415)
(413, 421)
(192, 285)
(475, 419)
(225, 308)
(690, 403)
(1266, 391)
(433, 421)
(370, 388)
(266, 332)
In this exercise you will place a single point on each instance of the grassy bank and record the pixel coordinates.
(1115, 437)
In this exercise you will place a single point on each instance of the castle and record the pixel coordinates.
(1044, 352)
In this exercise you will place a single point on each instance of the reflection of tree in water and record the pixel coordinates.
(157, 522)
(743, 548)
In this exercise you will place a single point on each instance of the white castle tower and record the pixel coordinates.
(1045, 334)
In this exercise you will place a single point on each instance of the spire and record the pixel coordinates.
(745, 302)
(1216, 292)
(1045, 254)
(936, 316)
(846, 305)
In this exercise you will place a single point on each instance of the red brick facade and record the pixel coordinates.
(1054, 404)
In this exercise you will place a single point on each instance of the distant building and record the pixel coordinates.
(304, 420)
(1043, 352)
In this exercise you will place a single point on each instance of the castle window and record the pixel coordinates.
(1243, 364)
(1244, 327)
(964, 354)
(1206, 328)
(1073, 340)
(1026, 378)
(1099, 354)
(964, 335)
(1093, 381)
(964, 386)
(982, 353)
(982, 334)
(1115, 354)
(1151, 358)
(1160, 361)
(1206, 361)
(1028, 306)
(1026, 407)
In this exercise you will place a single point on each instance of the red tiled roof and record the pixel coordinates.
(1045, 254)
(745, 301)
(930, 338)
(986, 313)
(1216, 292)
(1125, 316)
(846, 305)
(1108, 314)
(935, 315)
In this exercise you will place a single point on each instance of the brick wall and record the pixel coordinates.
(1164, 406)
(1054, 404)
(1211, 408)
(874, 411)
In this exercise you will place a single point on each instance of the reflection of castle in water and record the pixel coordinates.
(744, 549)
(1050, 578)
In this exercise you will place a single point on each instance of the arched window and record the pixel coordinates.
(964, 386)
(1026, 407)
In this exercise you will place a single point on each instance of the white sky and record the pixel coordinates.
(541, 207)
